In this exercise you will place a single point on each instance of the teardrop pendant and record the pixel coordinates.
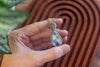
(56, 38)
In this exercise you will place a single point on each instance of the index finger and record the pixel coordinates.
(38, 26)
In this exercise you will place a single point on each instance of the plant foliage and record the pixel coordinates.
(9, 20)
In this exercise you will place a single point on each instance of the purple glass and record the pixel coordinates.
(57, 44)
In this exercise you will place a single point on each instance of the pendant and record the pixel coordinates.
(56, 39)
(55, 36)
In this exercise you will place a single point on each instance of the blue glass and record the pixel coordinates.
(54, 41)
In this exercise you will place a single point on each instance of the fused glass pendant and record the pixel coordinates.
(56, 39)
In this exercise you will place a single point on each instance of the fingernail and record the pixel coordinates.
(65, 38)
(66, 31)
(66, 48)
(60, 19)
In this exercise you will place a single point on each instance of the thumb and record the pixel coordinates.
(53, 53)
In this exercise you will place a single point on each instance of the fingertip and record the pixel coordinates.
(58, 20)
(65, 38)
(65, 31)
(66, 48)
(62, 50)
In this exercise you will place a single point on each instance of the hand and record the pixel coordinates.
(23, 7)
(27, 45)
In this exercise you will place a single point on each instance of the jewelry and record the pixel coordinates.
(55, 36)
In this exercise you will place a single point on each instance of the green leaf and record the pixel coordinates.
(9, 20)
(12, 2)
